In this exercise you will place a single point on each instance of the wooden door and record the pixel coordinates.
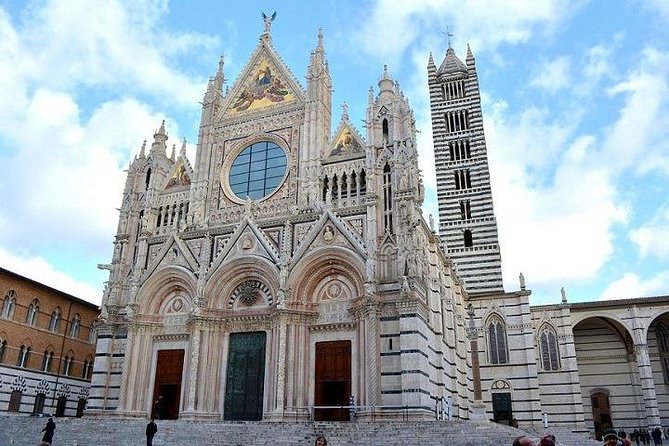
(245, 380)
(167, 385)
(501, 408)
(333, 380)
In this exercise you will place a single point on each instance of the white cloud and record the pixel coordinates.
(486, 23)
(38, 269)
(631, 285)
(553, 75)
(653, 237)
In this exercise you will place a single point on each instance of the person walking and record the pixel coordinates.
(48, 431)
(657, 436)
(151, 430)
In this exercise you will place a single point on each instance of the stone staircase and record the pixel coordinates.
(20, 430)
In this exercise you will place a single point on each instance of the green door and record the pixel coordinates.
(245, 381)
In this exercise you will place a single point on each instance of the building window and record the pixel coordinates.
(387, 199)
(8, 305)
(24, 355)
(54, 323)
(363, 182)
(662, 334)
(386, 133)
(148, 179)
(459, 150)
(87, 370)
(497, 351)
(47, 360)
(3, 347)
(550, 356)
(81, 406)
(465, 209)
(469, 241)
(75, 326)
(33, 310)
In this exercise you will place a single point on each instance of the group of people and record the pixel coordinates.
(637, 436)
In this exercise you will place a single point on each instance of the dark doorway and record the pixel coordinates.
(245, 381)
(167, 386)
(81, 406)
(39, 403)
(501, 408)
(601, 413)
(61, 405)
(15, 401)
(333, 380)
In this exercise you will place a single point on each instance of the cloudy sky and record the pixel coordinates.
(576, 114)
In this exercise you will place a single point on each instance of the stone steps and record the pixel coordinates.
(22, 430)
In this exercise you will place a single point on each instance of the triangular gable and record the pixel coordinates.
(181, 175)
(247, 240)
(325, 228)
(264, 82)
(347, 141)
(173, 252)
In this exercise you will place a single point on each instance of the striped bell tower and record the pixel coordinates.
(467, 222)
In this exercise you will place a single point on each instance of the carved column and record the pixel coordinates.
(647, 384)
(193, 366)
(281, 367)
(373, 371)
(123, 392)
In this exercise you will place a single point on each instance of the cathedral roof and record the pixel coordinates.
(451, 64)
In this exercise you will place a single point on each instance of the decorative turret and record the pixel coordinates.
(451, 66)
(219, 78)
(159, 140)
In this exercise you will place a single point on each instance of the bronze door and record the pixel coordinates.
(501, 408)
(167, 386)
(245, 381)
(333, 380)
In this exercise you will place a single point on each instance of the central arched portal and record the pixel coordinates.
(245, 379)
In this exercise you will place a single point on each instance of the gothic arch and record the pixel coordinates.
(653, 318)
(497, 344)
(323, 266)
(224, 283)
(163, 284)
(624, 334)
(548, 347)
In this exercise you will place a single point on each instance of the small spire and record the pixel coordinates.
(142, 151)
(370, 94)
(449, 34)
(161, 130)
(320, 38)
(430, 61)
(182, 152)
(470, 55)
(267, 20)
(174, 151)
(219, 78)
(385, 72)
(344, 111)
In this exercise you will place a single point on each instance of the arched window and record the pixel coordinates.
(3, 347)
(387, 199)
(548, 346)
(386, 133)
(92, 336)
(148, 178)
(363, 182)
(87, 370)
(662, 334)
(33, 310)
(9, 304)
(47, 360)
(67, 365)
(75, 326)
(54, 323)
(24, 356)
(497, 351)
(469, 241)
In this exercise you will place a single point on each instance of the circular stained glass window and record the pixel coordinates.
(258, 170)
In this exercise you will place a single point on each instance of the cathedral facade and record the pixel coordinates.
(289, 273)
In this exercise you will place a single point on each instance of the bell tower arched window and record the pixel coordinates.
(387, 199)
(386, 134)
(497, 345)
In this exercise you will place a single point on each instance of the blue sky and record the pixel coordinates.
(576, 113)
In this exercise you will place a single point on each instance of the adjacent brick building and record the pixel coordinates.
(47, 346)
